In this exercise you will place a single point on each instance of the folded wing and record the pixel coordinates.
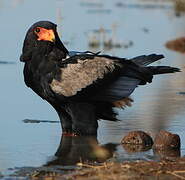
(103, 72)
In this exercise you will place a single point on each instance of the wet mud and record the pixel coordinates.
(149, 170)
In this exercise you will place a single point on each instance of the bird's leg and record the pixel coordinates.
(84, 120)
(66, 123)
(65, 120)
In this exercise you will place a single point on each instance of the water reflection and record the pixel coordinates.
(75, 149)
(167, 153)
(71, 151)
(131, 148)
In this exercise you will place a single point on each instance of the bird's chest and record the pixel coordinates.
(38, 76)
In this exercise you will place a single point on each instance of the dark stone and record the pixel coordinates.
(137, 138)
(166, 140)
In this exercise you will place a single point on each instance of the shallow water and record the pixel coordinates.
(156, 106)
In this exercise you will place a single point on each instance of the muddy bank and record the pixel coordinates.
(134, 170)
(127, 170)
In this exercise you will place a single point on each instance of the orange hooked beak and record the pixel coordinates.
(45, 34)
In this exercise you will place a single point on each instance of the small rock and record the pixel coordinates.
(165, 139)
(137, 138)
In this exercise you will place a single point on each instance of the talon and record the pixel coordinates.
(66, 131)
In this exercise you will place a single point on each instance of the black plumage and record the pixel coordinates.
(86, 86)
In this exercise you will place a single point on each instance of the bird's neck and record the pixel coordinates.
(60, 45)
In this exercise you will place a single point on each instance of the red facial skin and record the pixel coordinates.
(44, 34)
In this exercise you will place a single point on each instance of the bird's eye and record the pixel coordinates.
(37, 30)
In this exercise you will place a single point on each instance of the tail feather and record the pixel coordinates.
(146, 60)
(163, 69)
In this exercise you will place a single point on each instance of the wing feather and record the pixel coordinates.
(79, 75)
(121, 88)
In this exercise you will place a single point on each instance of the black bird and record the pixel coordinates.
(86, 86)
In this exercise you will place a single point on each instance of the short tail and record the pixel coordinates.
(146, 59)
(163, 69)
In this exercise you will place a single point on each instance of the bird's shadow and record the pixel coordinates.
(85, 149)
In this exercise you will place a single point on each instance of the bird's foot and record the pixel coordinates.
(67, 132)
(79, 131)
(73, 134)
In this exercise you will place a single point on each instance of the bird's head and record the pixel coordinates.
(41, 34)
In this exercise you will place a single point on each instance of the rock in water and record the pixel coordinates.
(137, 138)
(165, 140)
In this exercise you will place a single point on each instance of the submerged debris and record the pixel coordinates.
(181, 93)
(7, 62)
(38, 121)
(145, 30)
(102, 11)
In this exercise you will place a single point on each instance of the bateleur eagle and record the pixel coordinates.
(82, 87)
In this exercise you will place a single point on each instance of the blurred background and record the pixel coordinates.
(125, 28)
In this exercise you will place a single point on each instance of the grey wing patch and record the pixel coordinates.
(77, 76)
(121, 88)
